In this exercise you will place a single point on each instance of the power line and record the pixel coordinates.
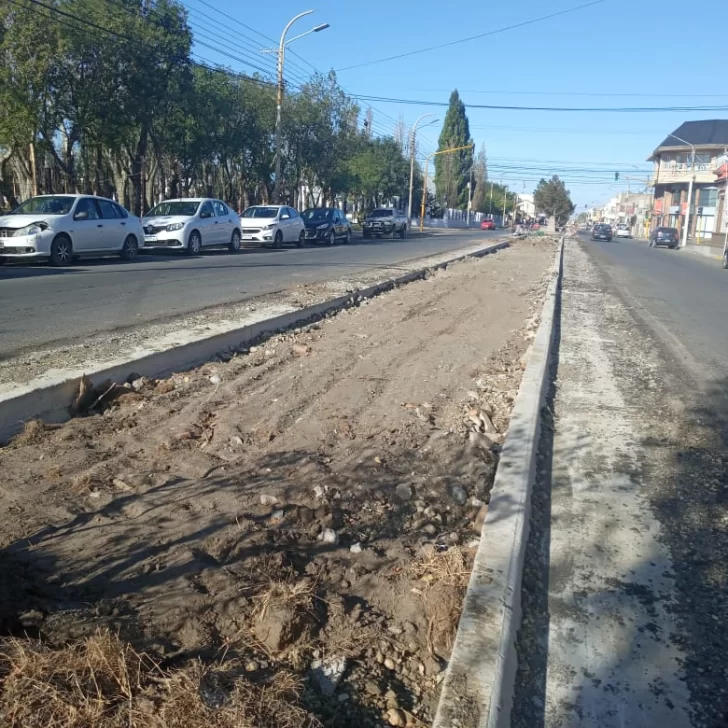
(606, 109)
(473, 37)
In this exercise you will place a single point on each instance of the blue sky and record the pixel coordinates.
(615, 53)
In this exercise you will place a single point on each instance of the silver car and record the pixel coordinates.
(191, 224)
(63, 227)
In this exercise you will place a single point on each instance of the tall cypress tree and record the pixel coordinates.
(452, 170)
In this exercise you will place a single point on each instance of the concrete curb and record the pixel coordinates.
(51, 402)
(708, 251)
(479, 683)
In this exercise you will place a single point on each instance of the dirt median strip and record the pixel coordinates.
(283, 538)
(158, 353)
(479, 683)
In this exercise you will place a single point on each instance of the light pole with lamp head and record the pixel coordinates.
(281, 52)
(686, 229)
(412, 165)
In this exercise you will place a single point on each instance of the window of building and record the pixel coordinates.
(708, 197)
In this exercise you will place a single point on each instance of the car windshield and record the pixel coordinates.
(186, 208)
(260, 212)
(382, 213)
(45, 205)
(669, 231)
(316, 214)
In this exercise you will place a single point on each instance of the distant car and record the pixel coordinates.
(667, 236)
(60, 228)
(487, 225)
(602, 232)
(326, 224)
(385, 221)
(623, 232)
(191, 224)
(276, 224)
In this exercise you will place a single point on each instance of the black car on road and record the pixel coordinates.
(664, 236)
(326, 225)
(602, 232)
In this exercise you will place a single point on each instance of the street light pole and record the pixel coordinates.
(690, 191)
(281, 52)
(412, 166)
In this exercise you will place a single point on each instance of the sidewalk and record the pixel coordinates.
(600, 649)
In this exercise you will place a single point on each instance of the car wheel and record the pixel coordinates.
(347, 239)
(301, 238)
(403, 232)
(365, 235)
(234, 245)
(332, 238)
(194, 244)
(278, 239)
(129, 249)
(61, 251)
(3, 261)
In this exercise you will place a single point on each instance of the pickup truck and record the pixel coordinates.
(385, 221)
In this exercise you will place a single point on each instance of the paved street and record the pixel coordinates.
(40, 304)
(624, 591)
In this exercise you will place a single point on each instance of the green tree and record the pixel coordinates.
(480, 180)
(552, 198)
(452, 170)
(380, 170)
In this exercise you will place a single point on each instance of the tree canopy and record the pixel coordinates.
(105, 97)
(453, 170)
(552, 198)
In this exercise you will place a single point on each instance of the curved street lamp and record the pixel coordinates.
(281, 52)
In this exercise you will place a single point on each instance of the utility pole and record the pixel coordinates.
(686, 229)
(505, 199)
(412, 166)
(281, 53)
(491, 200)
(427, 165)
(470, 195)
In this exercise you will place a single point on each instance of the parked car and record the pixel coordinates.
(623, 231)
(667, 236)
(602, 232)
(385, 221)
(276, 224)
(487, 225)
(191, 224)
(61, 228)
(326, 224)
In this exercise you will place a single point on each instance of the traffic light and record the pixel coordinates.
(616, 176)
(700, 211)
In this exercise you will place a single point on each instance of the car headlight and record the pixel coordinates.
(175, 226)
(270, 226)
(35, 228)
(322, 227)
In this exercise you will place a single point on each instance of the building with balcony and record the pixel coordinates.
(675, 165)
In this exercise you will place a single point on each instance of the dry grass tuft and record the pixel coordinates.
(33, 431)
(104, 683)
(448, 567)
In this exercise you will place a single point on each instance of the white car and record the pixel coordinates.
(272, 224)
(623, 232)
(63, 227)
(191, 224)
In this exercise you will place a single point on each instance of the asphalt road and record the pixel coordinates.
(40, 305)
(682, 298)
(627, 562)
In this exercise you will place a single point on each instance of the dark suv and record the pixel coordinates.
(664, 236)
(602, 232)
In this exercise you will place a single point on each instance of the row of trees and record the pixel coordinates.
(102, 96)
